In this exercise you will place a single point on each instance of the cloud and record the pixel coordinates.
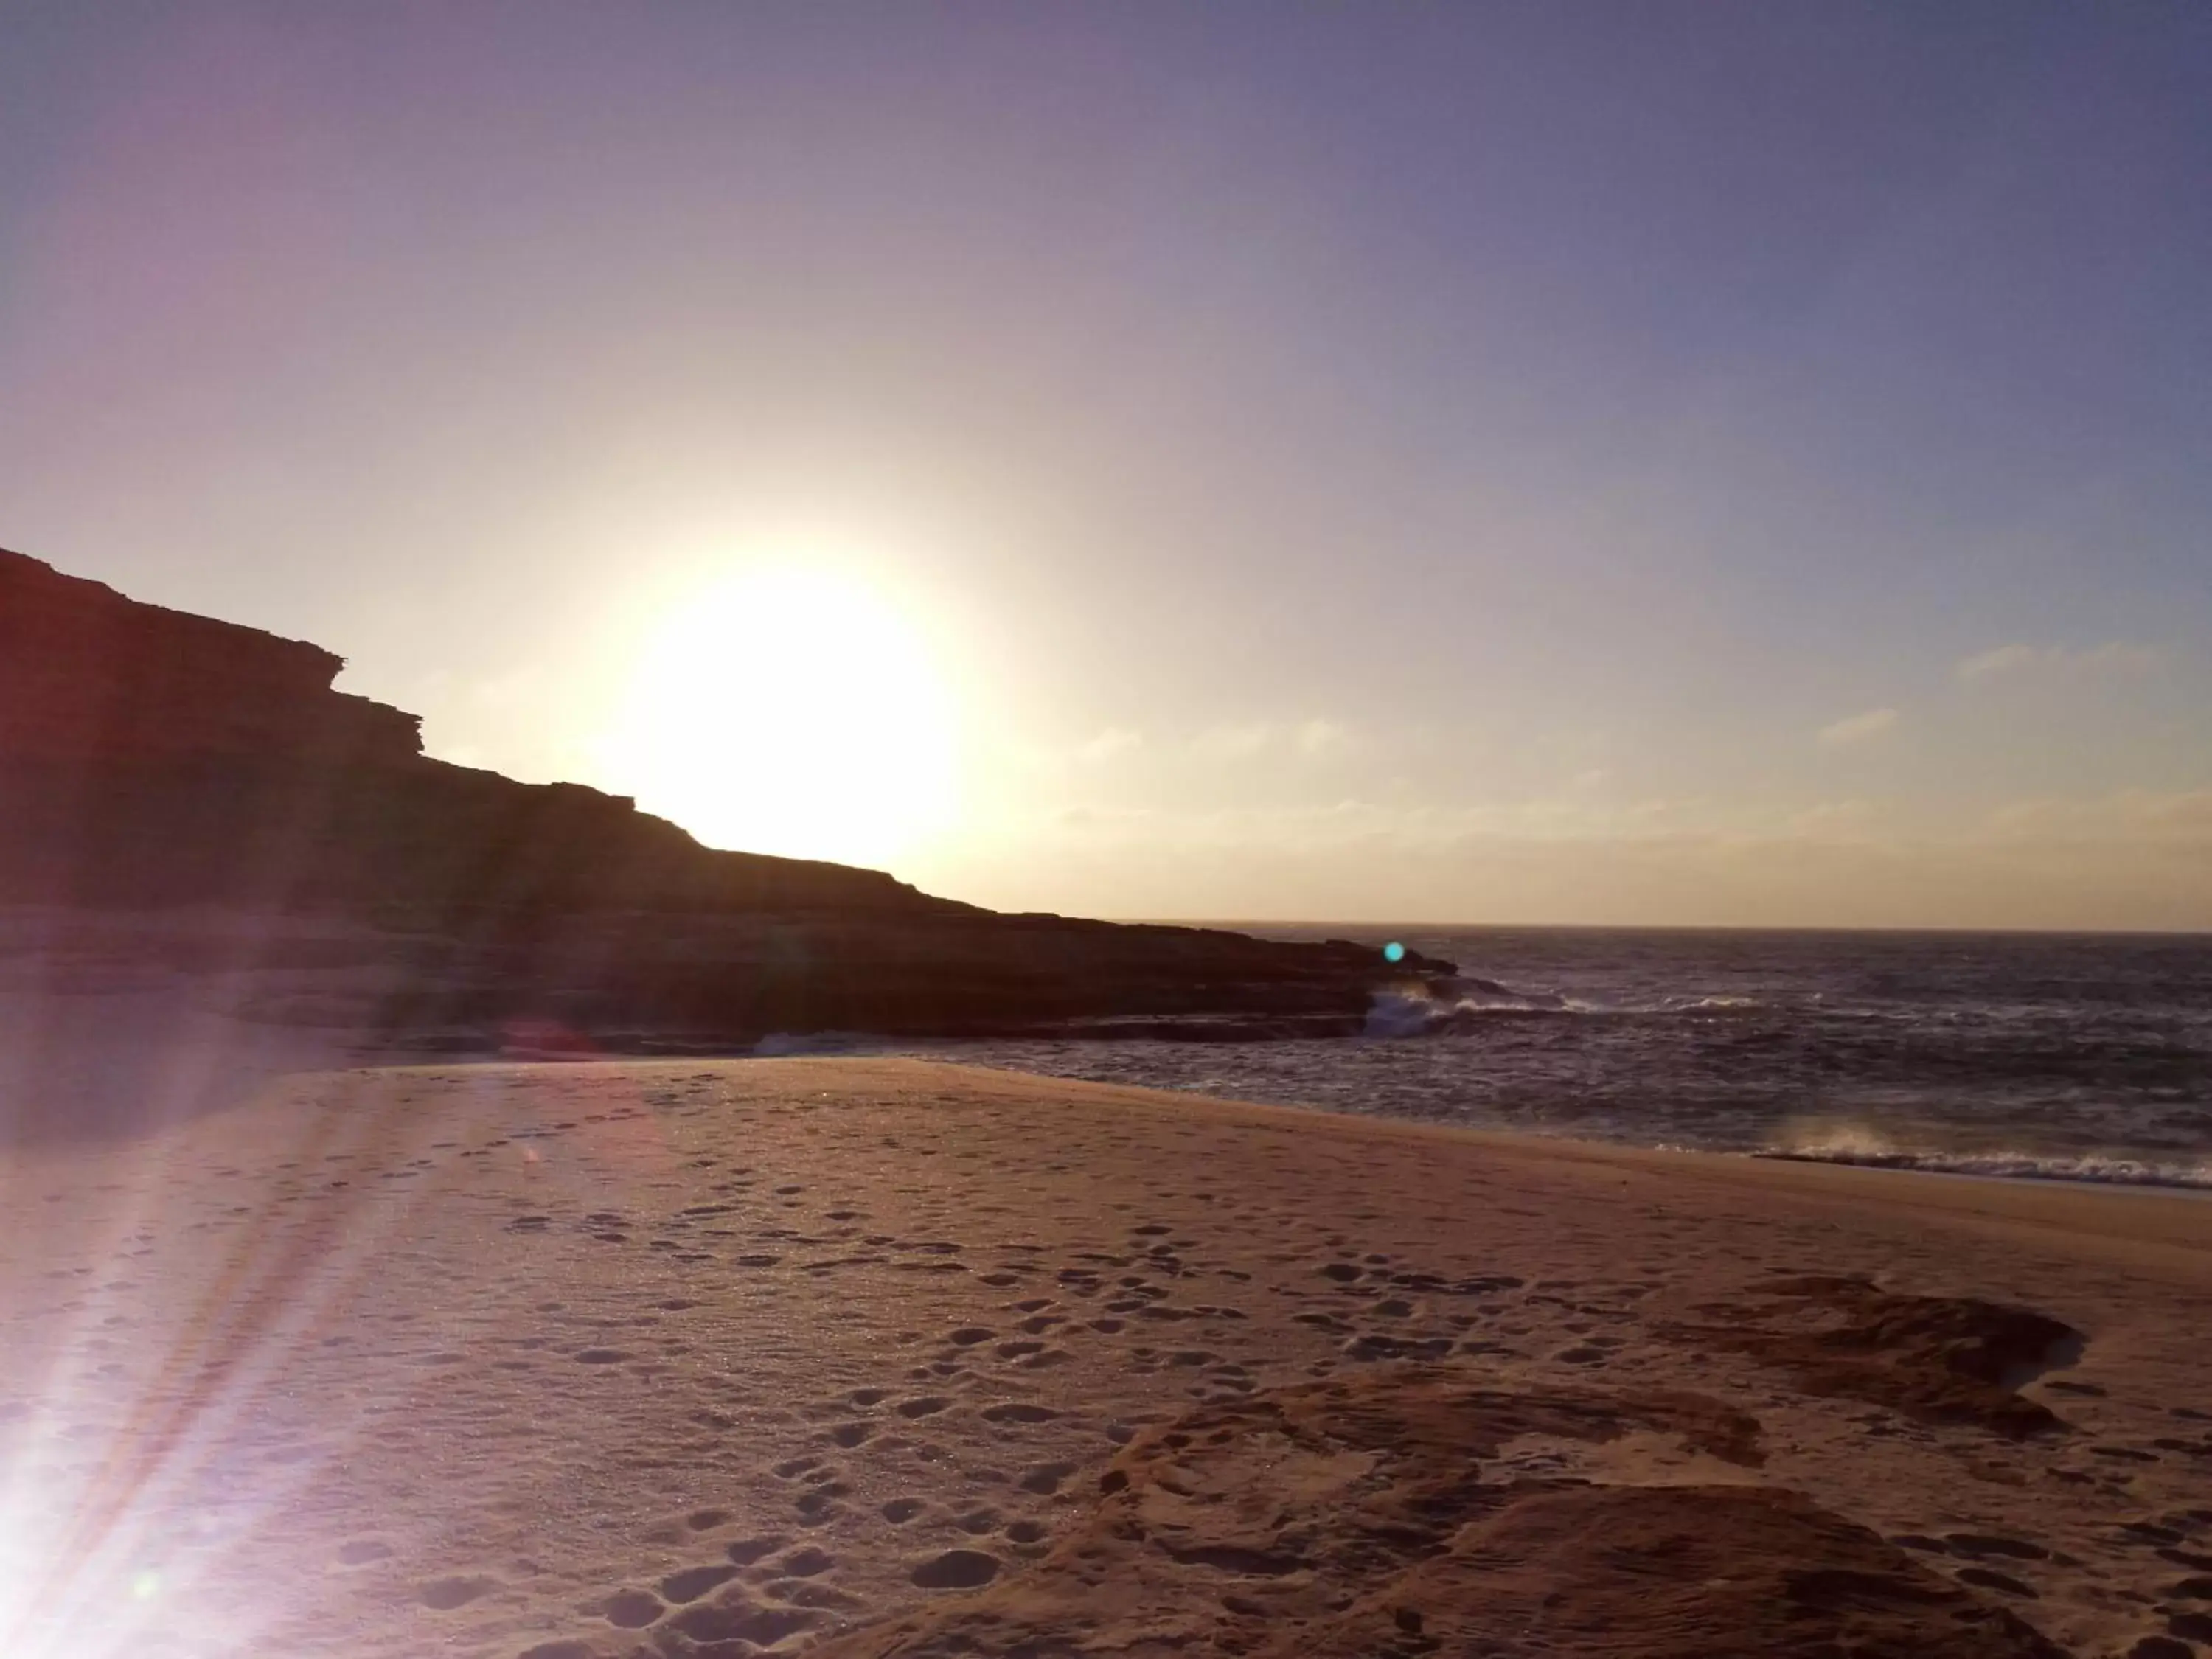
(2141, 818)
(1113, 741)
(1319, 737)
(2139, 859)
(1992, 665)
(1232, 742)
(1239, 742)
(2114, 657)
(1834, 820)
(1855, 729)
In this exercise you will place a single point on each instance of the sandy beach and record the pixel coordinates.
(879, 1356)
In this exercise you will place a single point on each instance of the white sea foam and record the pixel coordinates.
(1413, 1011)
(1866, 1149)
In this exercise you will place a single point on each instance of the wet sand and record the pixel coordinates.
(718, 1358)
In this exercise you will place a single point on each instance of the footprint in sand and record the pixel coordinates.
(819, 1505)
(956, 1570)
(1374, 1345)
(807, 1562)
(900, 1510)
(691, 1582)
(761, 1628)
(1990, 1578)
(444, 1594)
(746, 1551)
(1019, 1411)
(1982, 1545)
(1044, 1479)
(927, 1404)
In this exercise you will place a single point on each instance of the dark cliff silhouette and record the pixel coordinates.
(154, 764)
(154, 757)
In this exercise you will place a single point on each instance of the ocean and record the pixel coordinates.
(2043, 1056)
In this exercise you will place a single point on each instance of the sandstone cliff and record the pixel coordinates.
(153, 757)
(163, 767)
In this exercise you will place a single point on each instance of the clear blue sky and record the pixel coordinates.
(1697, 462)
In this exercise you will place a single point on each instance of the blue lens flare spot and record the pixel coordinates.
(1393, 952)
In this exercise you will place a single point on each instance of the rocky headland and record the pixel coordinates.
(191, 798)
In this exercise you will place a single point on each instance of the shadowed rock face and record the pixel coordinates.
(1365, 1516)
(151, 759)
(90, 680)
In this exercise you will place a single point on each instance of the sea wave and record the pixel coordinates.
(2099, 1169)
(1464, 1004)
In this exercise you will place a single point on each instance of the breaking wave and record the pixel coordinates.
(2025, 1057)
(1413, 1010)
(1871, 1151)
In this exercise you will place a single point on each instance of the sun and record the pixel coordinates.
(794, 711)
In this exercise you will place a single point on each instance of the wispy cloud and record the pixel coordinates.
(1855, 729)
(1241, 741)
(1319, 737)
(1113, 741)
(2139, 816)
(2136, 858)
(2114, 657)
(1835, 820)
(1232, 742)
(1995, 664)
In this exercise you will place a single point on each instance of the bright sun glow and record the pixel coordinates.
(792, 711)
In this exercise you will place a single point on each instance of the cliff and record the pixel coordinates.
(152, 757)
(160, 766)
(92, 679)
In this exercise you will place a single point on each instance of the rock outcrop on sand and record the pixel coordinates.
(1372, 1515)
(1938, 1359)
(161, 765)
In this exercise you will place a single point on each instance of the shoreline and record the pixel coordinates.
(2092, 1210)
(2198, 1185)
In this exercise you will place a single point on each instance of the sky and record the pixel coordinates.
(1701, 463)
